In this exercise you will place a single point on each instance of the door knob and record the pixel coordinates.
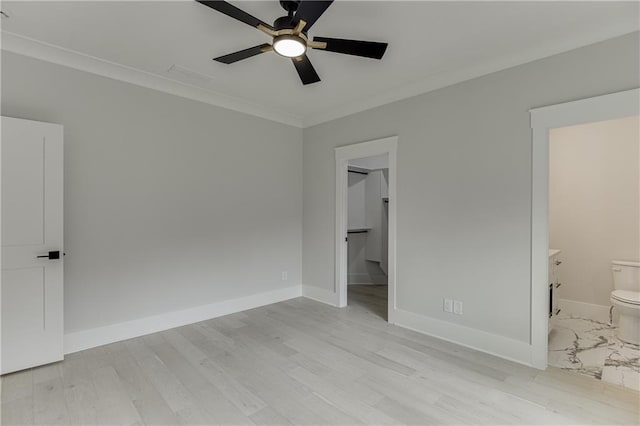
(51, 256)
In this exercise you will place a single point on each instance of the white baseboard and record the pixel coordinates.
(366, 279)
(320, 295)
(500, 346)
(380, 279)
(359, 278)
(85, 339)
(584, 310)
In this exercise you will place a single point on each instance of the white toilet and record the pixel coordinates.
(625, 298)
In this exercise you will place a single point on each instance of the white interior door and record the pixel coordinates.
(31, 286)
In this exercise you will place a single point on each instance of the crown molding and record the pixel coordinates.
(442, 80)
(26, 46)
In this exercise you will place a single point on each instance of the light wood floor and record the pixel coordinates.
(302, 362)
(370, 298)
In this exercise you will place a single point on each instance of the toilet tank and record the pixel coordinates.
(626, 275)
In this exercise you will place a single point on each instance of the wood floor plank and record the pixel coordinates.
(149, 403)
(96, 357)
(218, 408)
(49, 406)
(153, 410)
(247, 402)
(407, 414)
(201, 388)
(46, 373)
(269, 416)
(323, 408)
(17, 385)
(270, 384)
(79, 391)
(17, 411)
(114, 405)
(178, 398)
(348, 403)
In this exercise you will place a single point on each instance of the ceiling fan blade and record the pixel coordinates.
(233, 12)
(368, 49)
(243, 54)
(311, 10)
(307, 73)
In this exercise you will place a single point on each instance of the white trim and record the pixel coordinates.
(321, 295)
(606, 107)
(449, 78)
(343, 155)
(599, 108)
(493, 344)
(590, 311)
(85, 339)
(26, 46)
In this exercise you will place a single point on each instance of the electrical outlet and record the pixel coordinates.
(285, 275)
(457, 307)
(448, 305)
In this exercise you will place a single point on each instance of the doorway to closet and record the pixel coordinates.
(367, 233)
(366, 227)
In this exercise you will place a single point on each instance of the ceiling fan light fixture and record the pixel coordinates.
(289, 46)
(290, 37)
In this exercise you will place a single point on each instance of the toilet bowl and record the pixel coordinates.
(626, 299)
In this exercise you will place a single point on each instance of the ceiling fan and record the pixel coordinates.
(290, 38)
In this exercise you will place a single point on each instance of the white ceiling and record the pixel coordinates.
(428, 41)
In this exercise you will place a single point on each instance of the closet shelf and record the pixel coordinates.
(358, 230)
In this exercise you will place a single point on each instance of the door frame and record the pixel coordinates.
(343, 154)
(599, 108)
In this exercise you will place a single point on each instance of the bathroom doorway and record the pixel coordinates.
(594, 240)
(366, 226)
(545, 303)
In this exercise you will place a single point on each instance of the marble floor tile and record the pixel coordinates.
(591, 348)
(624, 376)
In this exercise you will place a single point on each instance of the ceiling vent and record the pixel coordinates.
(188, 76)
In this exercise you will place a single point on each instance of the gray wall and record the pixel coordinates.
(464, 183)
(169, 203)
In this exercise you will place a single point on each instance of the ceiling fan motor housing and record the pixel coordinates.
(284, 23)
(290, 5)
